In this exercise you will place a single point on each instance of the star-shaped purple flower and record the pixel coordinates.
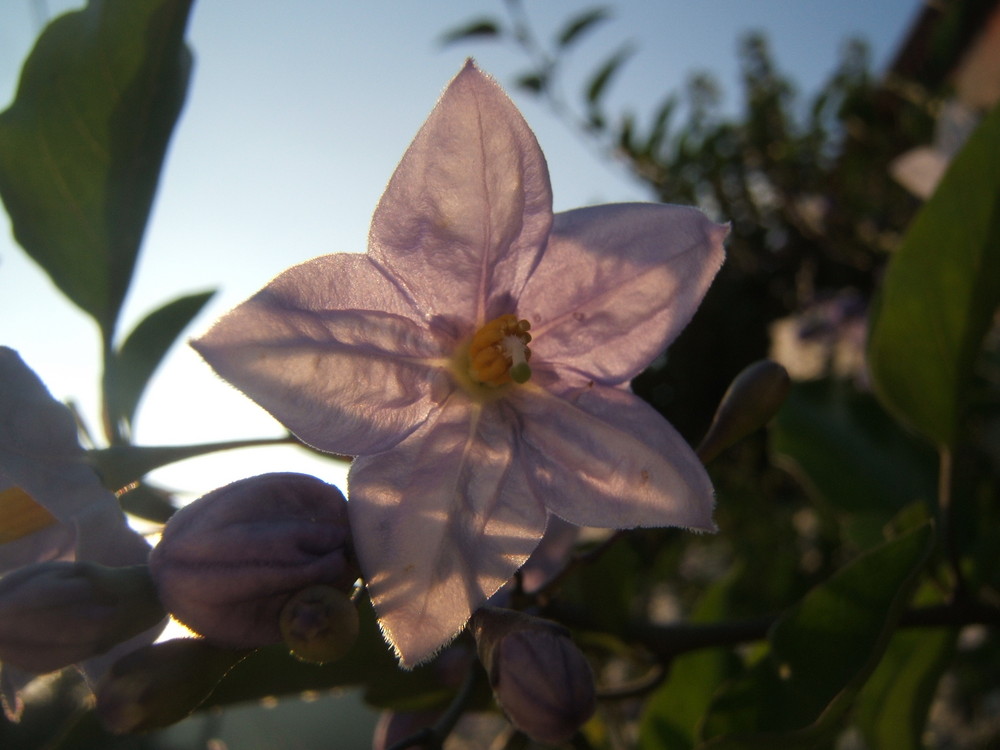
(477, 362)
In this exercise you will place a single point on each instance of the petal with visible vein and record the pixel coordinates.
(336, 353)
(441, 522)
(603, 457)
(468, 209)
(616, 284)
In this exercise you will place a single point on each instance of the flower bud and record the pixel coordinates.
(540, 679)
(319, 624)
(754, 396)
(229, 562)
(59, 613)
(160, 684)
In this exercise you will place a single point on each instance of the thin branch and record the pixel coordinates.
(946, 505)
(432, 738)
(669, 641)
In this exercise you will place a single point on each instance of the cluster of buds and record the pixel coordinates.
(257, 562)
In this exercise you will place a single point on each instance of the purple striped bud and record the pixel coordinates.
(59, 613)
(229, 562)
(539, 677)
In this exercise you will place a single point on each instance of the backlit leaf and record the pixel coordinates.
(940, 293)
(82, 144)
(137, 359)
(821, 652)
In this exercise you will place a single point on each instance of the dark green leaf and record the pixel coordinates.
(82, 145)
(671, 715)
(148, 502)
(661, 122)
(940, 293)
(599, 81)
(581, 23)
(821, 652)
(533, 82)
(479, 29)
(893, 707)
(852, 456)
(143, 350)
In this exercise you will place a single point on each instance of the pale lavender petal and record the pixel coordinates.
(615, 286)
(104, 536)
(441, 522)
(55, 542)
(468, 209)
(602, 457)
(334, 351)
(39, 449)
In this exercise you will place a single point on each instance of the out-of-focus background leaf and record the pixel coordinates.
(821, 652)
(854, 459)
(940, 294)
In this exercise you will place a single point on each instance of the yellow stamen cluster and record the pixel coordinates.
(499, 353)
(20, 515)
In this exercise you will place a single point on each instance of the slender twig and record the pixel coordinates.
(668, 641)
(947, 510)
(639, 686)
(432, 738)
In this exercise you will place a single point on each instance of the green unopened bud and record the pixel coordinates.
(158, 685)
(541, 680)
(319, 624)
(59, 613)
(754, 396)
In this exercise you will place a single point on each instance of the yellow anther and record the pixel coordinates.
(499, 353)
(20, 515)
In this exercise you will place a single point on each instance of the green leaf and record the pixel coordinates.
(82, 145)
(483, 28)
(131, 368)
(940, 292)
(672, 713)
(821, 652)
(148, 502)
(532, 82)
(599, 81)
(852, 456)
(893, 707)
(661, 122)
(576, 26)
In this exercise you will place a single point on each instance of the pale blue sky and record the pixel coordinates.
(297, 115)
